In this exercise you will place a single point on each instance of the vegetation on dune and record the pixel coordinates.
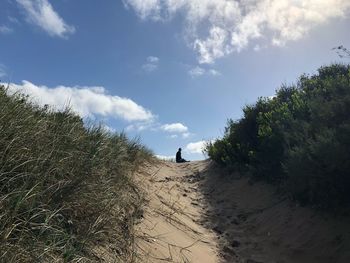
(64, 188)
(299, 139)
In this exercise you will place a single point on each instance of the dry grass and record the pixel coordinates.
(64, 188)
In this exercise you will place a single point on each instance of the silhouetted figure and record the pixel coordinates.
(179, 159)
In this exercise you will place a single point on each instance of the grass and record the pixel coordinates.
(65, 188)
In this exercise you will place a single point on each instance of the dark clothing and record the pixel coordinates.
(179, 158)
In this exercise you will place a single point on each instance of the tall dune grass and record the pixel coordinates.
(64, 188)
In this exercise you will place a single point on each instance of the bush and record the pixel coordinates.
(299, 139)
(64, 187)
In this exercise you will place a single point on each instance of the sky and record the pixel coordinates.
(171, 72)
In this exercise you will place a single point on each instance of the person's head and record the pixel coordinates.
(179, 149)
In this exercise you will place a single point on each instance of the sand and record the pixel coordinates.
(196, 213)
(170, 231)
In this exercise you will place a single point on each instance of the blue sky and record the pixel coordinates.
(169, 71)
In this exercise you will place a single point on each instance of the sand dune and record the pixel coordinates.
(196, 214)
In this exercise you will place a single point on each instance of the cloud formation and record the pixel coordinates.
(151, 64)
(174, 128)
(42, 14)
(143, 126)
(86, 101)
(199, 71)
(231, 25)
(5, 29)
(195, 147)
(165, 158)
(196, 72)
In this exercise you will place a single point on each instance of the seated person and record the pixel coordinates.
(179, 159)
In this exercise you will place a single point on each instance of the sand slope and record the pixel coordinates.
(197, 214)
(170, 231)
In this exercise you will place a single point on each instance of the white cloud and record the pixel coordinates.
(257, 48)
(5, 29)
(109, 128)
(145, 8)
(196, 72)
(213, 47)
(195, 147)
(151, 64)
(216, 28)
(166, 158)
(199, 71)
(42, 14)
(142, 126)
(152, 59)
(86, 101)
(149, 67)
(186, 135)
(214, 72)
(174, 128)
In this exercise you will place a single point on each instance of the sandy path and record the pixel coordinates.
(171, 229)
(198, 213)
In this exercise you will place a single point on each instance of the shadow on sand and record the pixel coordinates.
(254, 225)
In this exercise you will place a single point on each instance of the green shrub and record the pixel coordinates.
(299, 139)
